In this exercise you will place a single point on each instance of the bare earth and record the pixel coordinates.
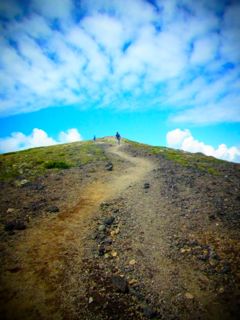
(133, 245)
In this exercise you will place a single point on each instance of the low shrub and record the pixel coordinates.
(57, 165)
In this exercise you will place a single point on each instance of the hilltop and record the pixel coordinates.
(100, 231)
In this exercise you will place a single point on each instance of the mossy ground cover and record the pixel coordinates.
(35, 162)
(194, 160)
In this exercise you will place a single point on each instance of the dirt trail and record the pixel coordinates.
(134, 174)
(35, 280)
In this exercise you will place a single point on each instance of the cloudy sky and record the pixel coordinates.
(163, 72)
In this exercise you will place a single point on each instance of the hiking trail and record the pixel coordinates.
(46, 246)
(149, 238)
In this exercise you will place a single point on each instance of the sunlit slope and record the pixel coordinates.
(35, 162)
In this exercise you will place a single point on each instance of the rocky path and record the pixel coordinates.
(144, 241)
(158, 254)
(45, 264)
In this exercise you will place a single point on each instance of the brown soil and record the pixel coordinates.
(31, 285)
(177, 262)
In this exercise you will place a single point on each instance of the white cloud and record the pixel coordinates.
(205, 49)
(226, 110)
(183, 139)
(129, 81)
(231, 33)
(37, 138)
(71, 135)
(205, 100)
(107, 31)
(134, 14)
(34, 26)
(175, 137)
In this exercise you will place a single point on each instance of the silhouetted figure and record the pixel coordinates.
(118, 137)
(94, 138)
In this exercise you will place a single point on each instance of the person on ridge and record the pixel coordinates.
(94, 138)
(118, 137)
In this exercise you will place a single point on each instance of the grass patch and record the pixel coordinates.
(198, 160)
(56, 165)
(35, 162)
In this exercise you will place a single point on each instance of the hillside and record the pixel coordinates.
(99, 231)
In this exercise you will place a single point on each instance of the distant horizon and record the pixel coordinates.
(160, 72)
(113, 137)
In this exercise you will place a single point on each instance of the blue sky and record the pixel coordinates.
(160, 72)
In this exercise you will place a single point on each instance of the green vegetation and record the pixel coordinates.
(56, 165)
(35, 162)
(31, 163)
(187, 159)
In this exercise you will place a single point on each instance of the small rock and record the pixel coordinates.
(101, 228)
(104, 205)
(94, 236)
(14, 269)
(132, 282)
(189, 296)
(37, 205)
(117, 230)
(109, 166)
(101, 250)
(146, 185)
(221, 290)
(107, 241)
(53, 209)
(132, 262)
(90, 300)
(100, 236)
(212, 216)
(114, 254)
(15, 225)
(21, 183)
(114, 232)
(129, 269)
(203, 257)
(109, 220)
(149, 312)
(10, 210)
(120, 283)
(213, 262)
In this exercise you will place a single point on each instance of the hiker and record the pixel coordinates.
(94, 138)
(118, 137)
